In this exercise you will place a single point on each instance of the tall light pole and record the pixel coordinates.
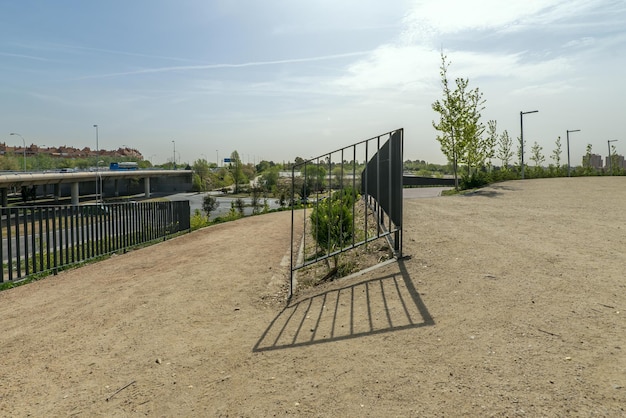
(174, 160)
(24, 142)
(610, 158)
(568, 164)
(521, 125)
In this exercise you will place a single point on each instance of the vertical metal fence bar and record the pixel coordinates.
(342, 196)
(109, 229)
(389, 183)
(114, 227)
(66, 248)
(10, 243)
(365, 193)
(330, 201)
(293, 180)
(33, 239)
(2, 216)
(47, 233)
(317, 204)
(401, 180)
(81, 220)
(41, 241)
(54, 238)
(133, 225)
(93, 236)
(378, 184)
(18, 244)
(305, 193)
(26, 242)
(124, 227)
(72, 243)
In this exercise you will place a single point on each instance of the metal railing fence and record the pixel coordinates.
(43, 239)
(349, 197)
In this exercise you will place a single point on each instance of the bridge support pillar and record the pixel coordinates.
(4, 197)
(146, 186)
(75, 194)
(57, 192)
(116, 187)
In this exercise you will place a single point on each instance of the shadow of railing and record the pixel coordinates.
(375, 306)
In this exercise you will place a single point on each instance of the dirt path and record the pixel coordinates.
(512, 304)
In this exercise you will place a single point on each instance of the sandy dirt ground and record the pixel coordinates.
(512, 303)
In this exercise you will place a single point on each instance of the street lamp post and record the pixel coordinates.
(174, 160)
(568, 163)
(521, 125)
(610, 158)
(24, 142)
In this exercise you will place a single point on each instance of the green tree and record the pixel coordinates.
(331, 223)
(255, 198)
(236, 170)
(197, 185)
(270, 177)
(202, 168)
(519, 153)
(556, 154)
(240, 205)
(315, 177)
(614, 160)
(459, 124)
(587, 160)
(537, 157)
(489, 143)
(505, 149)
(209, 204)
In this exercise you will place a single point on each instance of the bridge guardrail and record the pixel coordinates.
(40, 239)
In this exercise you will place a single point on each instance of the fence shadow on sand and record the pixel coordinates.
(375, 306)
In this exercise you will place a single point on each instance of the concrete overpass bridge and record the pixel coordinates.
(87, 182)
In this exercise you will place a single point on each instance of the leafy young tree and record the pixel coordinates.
(505, 149)
(270, 177)
(209, 204)
(614, 160)
(536, 154)
(477, 148)
(236, 169)
(537, 157)
(556, 153)
(587, 169)
(331, 222)
(202, 168)
(459, 121)
(519, 152)
(240, 205)
(489, 143)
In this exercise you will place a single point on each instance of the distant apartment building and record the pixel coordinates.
(595, 161)
(619, 163)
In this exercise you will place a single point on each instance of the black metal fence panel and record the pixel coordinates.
(347, 198)
(42, 239)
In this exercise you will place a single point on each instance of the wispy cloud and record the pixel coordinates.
(29, 57)
(225, 65)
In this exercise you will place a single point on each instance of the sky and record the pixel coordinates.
(278, 79)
